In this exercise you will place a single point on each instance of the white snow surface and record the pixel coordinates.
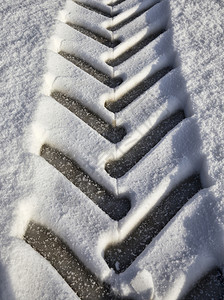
(30, 189)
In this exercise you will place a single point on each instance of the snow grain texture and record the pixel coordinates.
(25, 28)
(197, 32)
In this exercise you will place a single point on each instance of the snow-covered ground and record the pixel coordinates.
(30, 189)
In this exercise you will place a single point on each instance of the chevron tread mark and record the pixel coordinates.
(67, 264)
(114, 3)
(138, 90)
(135, 15)
(120, 256)
(118, 168)
(105, 79)
(134, 49)
(115, 207)
(94, 8)
(97, 37)
(114, 134)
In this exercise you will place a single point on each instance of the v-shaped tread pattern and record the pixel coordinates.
(114, 103)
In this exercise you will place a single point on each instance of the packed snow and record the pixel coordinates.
(192, 243)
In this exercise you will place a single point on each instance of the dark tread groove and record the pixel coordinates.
(119, 104)
(136, 48)
(114, 3)
(99, 38)
(120, 256)
(112, 134)
(68, 265)
(210, 286)
(83, 65)
(118, 168)
(115, 207)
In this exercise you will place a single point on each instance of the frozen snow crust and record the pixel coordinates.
(176, 69)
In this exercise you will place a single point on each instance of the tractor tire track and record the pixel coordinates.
(100, 115)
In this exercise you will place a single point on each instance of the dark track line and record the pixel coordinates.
(83, 65)
(136, 48)
(85, 284)
(95, 9)
(211, 286)
(99, 38)
(118, 168)
(112, 134)
(135, 92)
(131, 18)
(121, 256)
(116, 3)
(115, 207)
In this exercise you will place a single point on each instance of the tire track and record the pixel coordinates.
(120, 92)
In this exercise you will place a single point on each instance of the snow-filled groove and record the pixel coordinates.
(111, 133)
(119, 167)
(120, 256)
(211, 286)
(69, 266)
(115, 207)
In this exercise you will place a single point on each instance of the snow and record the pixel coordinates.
(192, 243)
(143, 284)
